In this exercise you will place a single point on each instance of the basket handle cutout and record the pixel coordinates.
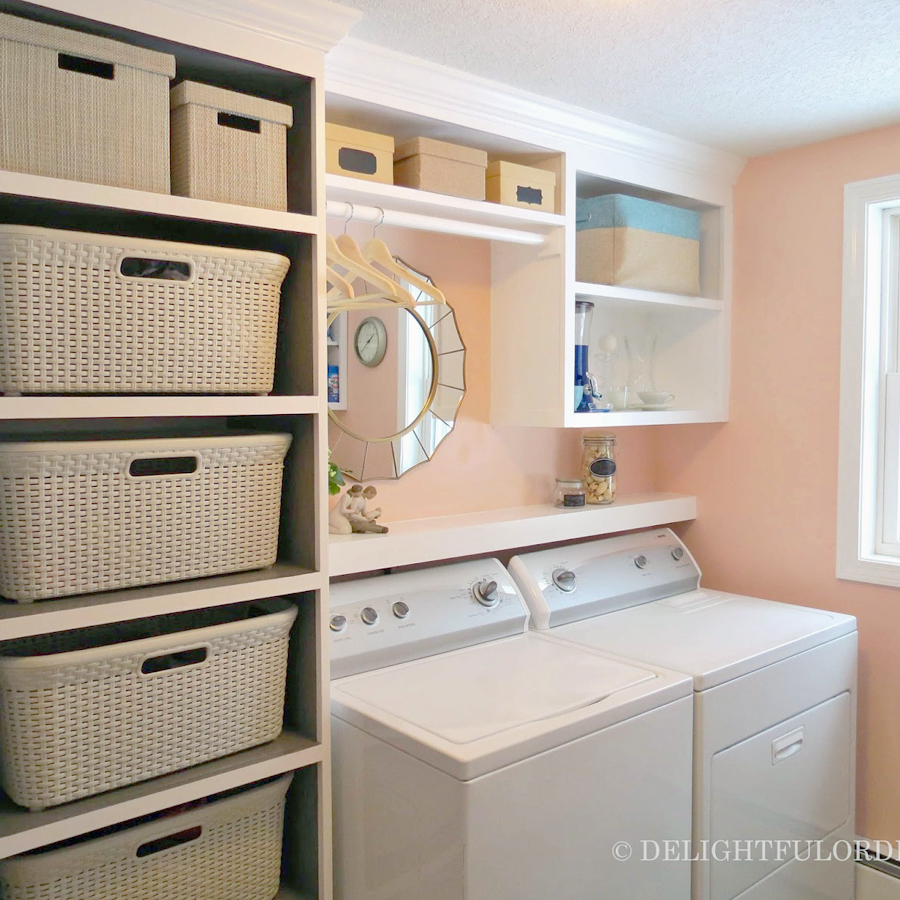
(177, 660)
(361, 161)
(172, 840)
(163, 465)
(241, 123)
(529, 195)
(159, 269)
(94, 67)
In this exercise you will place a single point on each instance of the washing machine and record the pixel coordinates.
(774, 706)
(476, 760)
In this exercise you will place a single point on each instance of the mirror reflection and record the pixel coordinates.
(396, 380)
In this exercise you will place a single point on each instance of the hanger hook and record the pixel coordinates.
(349, 218)
(380, 222)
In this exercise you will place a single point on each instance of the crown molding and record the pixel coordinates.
(318, 24)
(354, 67)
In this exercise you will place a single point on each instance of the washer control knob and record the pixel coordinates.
(677, 553)
(564, 580)
(338, 623)
(641, 561)
(400, 609)
(369, 616)
(486, 593)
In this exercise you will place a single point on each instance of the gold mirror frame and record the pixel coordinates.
(446, 319)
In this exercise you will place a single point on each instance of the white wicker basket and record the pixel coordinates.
(82, 107)
(228, 849)
(84, 516)
(229, 147)
(94, 709)
(83, 313)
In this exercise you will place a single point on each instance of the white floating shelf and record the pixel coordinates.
(426, 203)
(123, 406)
(625, 417)
(625, 295)
(480, 534)
(107, 196)
(21, 830)
(24, 619)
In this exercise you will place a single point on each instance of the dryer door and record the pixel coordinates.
(788, 783)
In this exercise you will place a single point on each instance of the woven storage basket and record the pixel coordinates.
(83, 516)
(94, 709)
(228, 146)
(82, 107)
(82, 313)
(229, 849)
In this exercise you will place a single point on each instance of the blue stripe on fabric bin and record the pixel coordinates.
(622, 211)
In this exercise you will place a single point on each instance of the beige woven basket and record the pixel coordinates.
(94, 709)
(84, 516)
(228, 849)
(93, 313)
(228, 146)
(82, 107)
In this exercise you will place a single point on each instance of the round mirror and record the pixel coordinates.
(396, 379)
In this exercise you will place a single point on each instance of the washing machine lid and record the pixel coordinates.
(711, 636)
(471, 711)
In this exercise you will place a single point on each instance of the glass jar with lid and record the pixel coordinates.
(598, 468)
(569, 493)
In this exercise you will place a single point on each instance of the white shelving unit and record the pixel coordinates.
(265, 62)
(476, 534)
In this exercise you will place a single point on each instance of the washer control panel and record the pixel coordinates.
(388, 619)
(584, 580)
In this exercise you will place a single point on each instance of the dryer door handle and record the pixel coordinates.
(787, 746)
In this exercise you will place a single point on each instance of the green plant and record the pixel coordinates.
(335, 477)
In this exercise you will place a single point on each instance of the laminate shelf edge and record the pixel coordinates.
(481, 534)
(21, 830)
(61, 190)
(409, 200)
(155, 406)
(619, 294)
(25, 619)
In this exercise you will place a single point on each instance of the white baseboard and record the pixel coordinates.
(873, 885)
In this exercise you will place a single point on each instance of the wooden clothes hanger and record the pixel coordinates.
(377, 251)
(350, 249)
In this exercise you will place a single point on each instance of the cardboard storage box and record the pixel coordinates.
(628, 241)
(430, 165)
(229, 147)
(359, 154)
(83, 107)
(525, 186)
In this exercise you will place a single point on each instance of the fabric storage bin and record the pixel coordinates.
(525, 186)
(638, 243)
(82, 107)
(360, 154)
(430, 165)
(94, 709)
(83, 516)
(229, 147)
(224, 848)
(94, 313)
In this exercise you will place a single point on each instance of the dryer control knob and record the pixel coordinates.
(400, 609)
(486, 593)
(677, 553)
(369, 616)
(338, 623)
(564, 580)
(640, 561)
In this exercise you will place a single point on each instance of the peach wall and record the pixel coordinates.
(480, 466)
(766, 481)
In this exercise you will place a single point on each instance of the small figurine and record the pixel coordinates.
(351, 516)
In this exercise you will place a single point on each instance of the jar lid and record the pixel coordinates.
(570, 482)
(600, 438)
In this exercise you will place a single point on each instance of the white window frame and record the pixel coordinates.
(868, 526)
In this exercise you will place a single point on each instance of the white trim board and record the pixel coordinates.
(874, 885)
(481, 534)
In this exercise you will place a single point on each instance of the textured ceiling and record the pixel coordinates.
(749, 76)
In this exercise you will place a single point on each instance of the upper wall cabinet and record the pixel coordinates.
(628, 279)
